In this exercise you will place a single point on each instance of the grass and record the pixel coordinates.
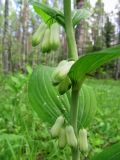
(24, 137)
(105, 128)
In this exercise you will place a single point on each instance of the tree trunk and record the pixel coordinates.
(117, 63)
(5, 54)
(79, 29)
(0, 35)
(24, 48)
(19, 37)
(119, 27)
(116, 69)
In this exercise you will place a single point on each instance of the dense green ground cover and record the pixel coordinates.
(24, 137)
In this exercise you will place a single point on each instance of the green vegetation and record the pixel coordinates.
(55, 121)
(24, 136)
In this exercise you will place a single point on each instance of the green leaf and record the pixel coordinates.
(48, 104)
(90, 62)
(48, 14)
(86, 106)
(111, 153)
(80, 14)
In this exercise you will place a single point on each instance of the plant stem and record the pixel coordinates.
(74, 108)
(72, 48)
(73, 119)
(72, 53)
(75, 154)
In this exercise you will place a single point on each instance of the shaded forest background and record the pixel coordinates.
(18, 22)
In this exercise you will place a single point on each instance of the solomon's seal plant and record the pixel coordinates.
(62, 138)
(38, 35)
(60, 77)
(71, 137)
(63, 100)
(82, 140)
(60, 73)
(47, 36)
(55, 130)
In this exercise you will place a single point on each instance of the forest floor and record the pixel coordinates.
(24, 137)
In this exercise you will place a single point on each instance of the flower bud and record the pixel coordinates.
(82, 140)
(45, 47)
(71, 138)
(55, 130)
(54, 36)
(39, 34)
(61, 71)
(62, 63)
(64, 69)
(62, 138)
